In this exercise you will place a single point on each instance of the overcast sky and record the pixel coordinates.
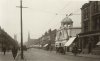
(38, 17)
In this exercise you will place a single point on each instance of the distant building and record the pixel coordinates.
(15, 37)
(66, 34)
(48, 38)
(30, 41)
(90, 35)
(62, 34)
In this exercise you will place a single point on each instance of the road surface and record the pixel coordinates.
(43, 55)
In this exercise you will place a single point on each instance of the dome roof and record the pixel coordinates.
(66, 20)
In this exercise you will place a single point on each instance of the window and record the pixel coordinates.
(85, 13)
(99, 6)
(85, 26)
(96, 22)
(95, 7)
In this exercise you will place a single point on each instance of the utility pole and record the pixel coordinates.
(21, 6)
(21, 30)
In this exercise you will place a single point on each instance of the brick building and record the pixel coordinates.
(90, 35)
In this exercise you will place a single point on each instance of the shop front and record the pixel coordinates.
(89, 41)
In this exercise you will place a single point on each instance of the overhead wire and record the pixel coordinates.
(78, 10)
(69, 2)
(55, 14)
(60, 11)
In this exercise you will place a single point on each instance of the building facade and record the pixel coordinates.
(74, 31)
(31, 42)
(48, 39)
(6, 41)
(90, 35)
(62, 35)
(67, 34)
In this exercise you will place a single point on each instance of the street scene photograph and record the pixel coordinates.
(49, 30)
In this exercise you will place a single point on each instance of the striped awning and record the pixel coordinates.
(45, 45)
(70, 41)
(98, 43)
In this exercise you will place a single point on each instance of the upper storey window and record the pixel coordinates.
(85, 13)
(99, 6)
(94, 7)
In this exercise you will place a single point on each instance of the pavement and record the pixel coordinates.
(85, 55)
(18, 57)
(8, 55)
(43, 55)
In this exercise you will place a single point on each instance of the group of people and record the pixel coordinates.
(14, 51)
(75, 50)
(60, 50)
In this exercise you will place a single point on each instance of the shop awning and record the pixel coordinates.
(98, 43)
(70, 41)
(45, 45)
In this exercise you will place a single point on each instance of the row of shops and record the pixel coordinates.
(6, 41)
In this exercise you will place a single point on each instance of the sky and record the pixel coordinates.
(38, 17)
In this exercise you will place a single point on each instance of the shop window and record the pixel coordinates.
(95, 40)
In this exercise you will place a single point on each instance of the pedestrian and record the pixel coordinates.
(4, 50)
(57, 49)
(75, 50)
(79, 50)
(14, 52)
(51, 48)
(61, 50)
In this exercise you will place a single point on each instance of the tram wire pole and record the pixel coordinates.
(21, 23)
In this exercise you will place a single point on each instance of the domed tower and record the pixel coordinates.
(67, 22)
(63, 33)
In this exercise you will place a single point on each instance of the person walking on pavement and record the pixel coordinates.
(4, 50)
(14, 52)
(75, 50)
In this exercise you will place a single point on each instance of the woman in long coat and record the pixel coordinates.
(14, 51)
